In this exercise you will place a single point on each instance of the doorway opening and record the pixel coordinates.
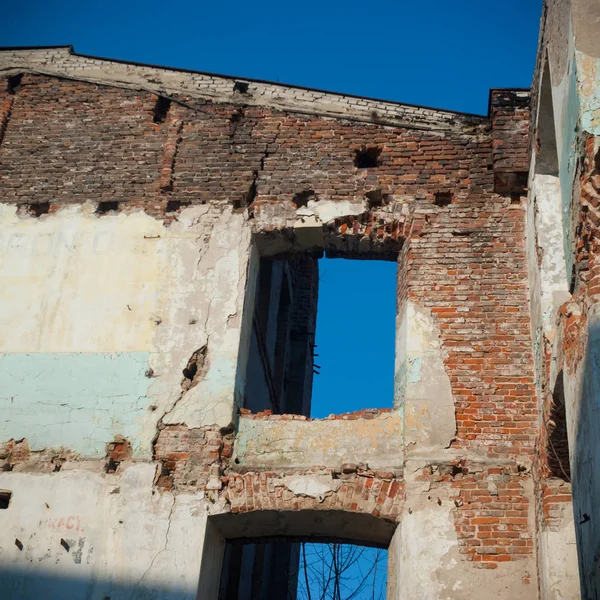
(309, 570)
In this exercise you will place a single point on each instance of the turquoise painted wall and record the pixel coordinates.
(76, 400)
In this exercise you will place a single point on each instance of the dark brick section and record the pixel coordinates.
(72, 142)
(63, 134)
(509, 112)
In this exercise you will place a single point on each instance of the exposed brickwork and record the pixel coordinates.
(218, 160)
(61, 134)
(191, 457)
(199, 459)
(492, 510)
(556, 498)
(469, 268)
(116, 452)
(509, 111)
(16, 455)
(588, 232)
(361, 492)
(430, 200)
(63, 61)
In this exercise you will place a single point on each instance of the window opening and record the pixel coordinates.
(355, 336)
(323, 336)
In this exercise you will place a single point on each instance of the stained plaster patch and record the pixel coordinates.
(429, 412)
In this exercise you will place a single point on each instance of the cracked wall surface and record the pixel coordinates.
(116, 306)
(276, 442)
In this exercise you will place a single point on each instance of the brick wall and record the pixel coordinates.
(492, 510)
(461, 244)
(509, 112)
(468, 266)
(63, 62)
(362, 492)
(62, 134)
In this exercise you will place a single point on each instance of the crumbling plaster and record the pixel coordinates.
(559, 572)
(275, 443)
(423, 390)
(88, 534)
(548, 280)
(146, 296)
(426, 546)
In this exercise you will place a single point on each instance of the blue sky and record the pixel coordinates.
(355, 336)
(435, 52)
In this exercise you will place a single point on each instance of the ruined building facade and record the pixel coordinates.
(159, 237)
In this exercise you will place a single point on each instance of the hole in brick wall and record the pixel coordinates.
(377, 198)
(280, 566)
(509, 182)
(13, 83)
(106, 207)
(558, 442)
(457, 470)
(301, 199)
(367, 158)
(39, 209)
(5, 497)
(177, 205)
(442, 198)
(116, 452)
(241, 87)
(194, 365)
(236, 116)
(161, 109)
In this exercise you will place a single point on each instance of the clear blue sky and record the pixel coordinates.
(436, 52)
